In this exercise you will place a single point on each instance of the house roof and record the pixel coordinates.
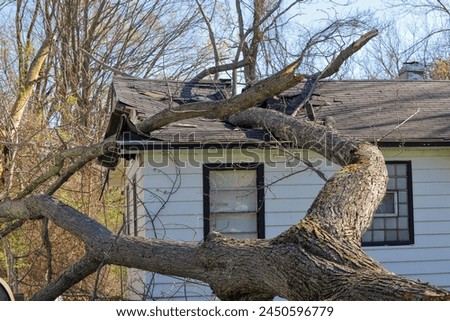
(392, 111)
(389, 111)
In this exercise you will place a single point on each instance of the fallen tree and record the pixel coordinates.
(320, 258)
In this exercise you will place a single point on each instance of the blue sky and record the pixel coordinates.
(317, 9)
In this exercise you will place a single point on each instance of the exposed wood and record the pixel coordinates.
(217, 69)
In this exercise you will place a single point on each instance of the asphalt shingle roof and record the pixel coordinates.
(385, 110)
(396, 110)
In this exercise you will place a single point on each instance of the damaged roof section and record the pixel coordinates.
(142, 98)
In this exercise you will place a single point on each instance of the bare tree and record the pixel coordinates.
(408, 32)
(58, 59)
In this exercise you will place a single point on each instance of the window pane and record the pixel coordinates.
(242, 236)
(367, 237)
(391, 235)
(390, 169)
(233, 201)
(387, 205)
(402, 183)
(234, 223)
(232, 179)
(403, 210)
(402, 197)
(401, 169)
(391, 183)
(403, 235)
(378, 223)
(391, 223)
(378, 236)
(403, 223)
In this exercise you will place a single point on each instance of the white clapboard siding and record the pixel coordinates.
(152, 286)
(173, 199)
(132, 168)
(411, 253)
(294, 190)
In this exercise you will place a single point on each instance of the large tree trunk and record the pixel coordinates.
(320, 258)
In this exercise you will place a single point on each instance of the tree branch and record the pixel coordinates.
(255, 95)
(333, 67)
(78, 271)
(11, 228)
(339, 216)
(337, 62)
(330, 269)
(85, 155)
(212, 38)
(103, 64)
(216, 69)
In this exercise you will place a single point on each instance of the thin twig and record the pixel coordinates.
(444, 7)
(15, 144)
(105, 65)
(11, 228)
(399, 125)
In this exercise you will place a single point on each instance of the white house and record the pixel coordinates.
(202, 174)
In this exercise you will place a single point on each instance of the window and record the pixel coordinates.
(393, 220)
(233, 200)
(131, 208)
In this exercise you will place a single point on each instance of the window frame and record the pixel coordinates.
(260, 211)
(409, 187)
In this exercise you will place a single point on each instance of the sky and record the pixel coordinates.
(320, 8)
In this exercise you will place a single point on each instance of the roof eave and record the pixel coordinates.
(416, 143)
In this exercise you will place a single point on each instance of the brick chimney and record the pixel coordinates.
(412, 70)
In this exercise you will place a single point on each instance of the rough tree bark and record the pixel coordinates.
(320, 258)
